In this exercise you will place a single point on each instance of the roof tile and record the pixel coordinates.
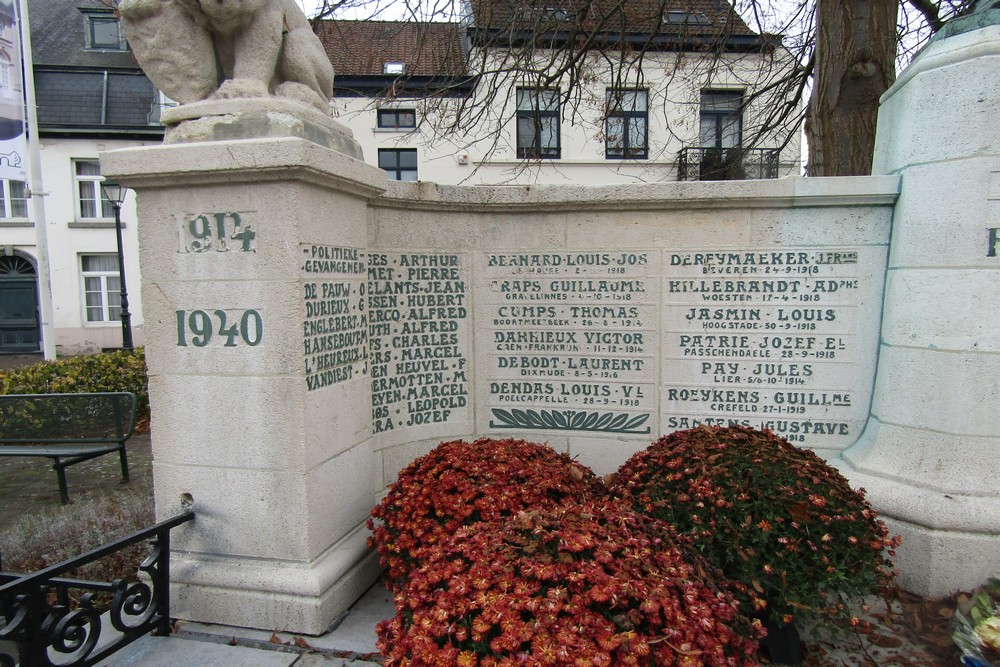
(361, 48)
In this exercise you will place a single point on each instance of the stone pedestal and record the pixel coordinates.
(930, 457)
(253, 257)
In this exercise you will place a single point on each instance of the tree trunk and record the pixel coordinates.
(855, 64)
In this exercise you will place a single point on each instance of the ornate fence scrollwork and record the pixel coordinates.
(43, 623)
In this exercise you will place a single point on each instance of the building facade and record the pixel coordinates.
(522, 92)
(91, 97)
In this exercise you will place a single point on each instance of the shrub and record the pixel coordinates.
(110, 371)
(39, 540)
(589, 583)
(772, 516)
(460, 483)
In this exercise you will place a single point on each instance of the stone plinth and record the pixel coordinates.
(929, 455)
(243, 243)
(256, 118)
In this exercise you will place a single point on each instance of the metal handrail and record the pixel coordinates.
(45, 629)
(697, 163)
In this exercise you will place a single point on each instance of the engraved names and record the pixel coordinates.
(571, 340)
(335, 328)
(418, 333)
(765, 338)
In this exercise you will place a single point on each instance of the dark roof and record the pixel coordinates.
(361, 48)
(705, 17)
(81, 91)
(58, 35)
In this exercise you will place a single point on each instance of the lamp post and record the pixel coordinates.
(115, 194)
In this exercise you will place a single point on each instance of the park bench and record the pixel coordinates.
(67, 428)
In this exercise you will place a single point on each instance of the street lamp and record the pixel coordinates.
(115, 194)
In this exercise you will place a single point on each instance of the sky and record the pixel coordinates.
(310, 7)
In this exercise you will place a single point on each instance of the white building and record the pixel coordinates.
(91, 97)
(523, 92)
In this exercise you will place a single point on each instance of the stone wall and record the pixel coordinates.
(317, 328)
(597, 319)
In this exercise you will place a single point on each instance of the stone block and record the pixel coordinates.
(942, 309)
(605, 455)
(241, 512)
(340, 494)
(951, 392)
(195, 424)
(304, 598)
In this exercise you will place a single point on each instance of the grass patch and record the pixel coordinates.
(53, 535)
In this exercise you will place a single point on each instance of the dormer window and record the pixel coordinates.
(676, 17)
(394, 68)
(104, 32)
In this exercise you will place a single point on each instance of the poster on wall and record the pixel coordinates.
(12, 133)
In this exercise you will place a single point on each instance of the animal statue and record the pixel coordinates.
(194, 50)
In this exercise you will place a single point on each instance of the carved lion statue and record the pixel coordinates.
(199, 49)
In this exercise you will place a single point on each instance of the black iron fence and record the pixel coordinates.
(726, 164)
(47, 618)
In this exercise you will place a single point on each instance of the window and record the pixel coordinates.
(91, 203)
(6, 80)
(395, 119)
(102, 299)
(721, 119)
(13, 199)
(103, 33)
(394, 68)
(399, 163)
(537, 123)
(625, 130)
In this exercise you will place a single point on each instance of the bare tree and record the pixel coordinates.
(841, 55)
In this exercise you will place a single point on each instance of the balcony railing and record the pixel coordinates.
(726, 164)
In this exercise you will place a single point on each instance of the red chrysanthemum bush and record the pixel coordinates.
(773, 516)
(590, 583)
(461, 483)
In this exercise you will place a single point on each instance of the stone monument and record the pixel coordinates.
(312, 328)
(929, 457)
(232, 209)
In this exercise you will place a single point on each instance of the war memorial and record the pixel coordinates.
(312, 327)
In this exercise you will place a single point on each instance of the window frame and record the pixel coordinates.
(536, 114)
(107, 209)
(720, 116)
(615, 109)
(105, 291)
(93, 19)
(8, 199)
(396, 170)
(382, 114)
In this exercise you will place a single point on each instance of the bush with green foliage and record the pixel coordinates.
(109, 371)
(770, 515)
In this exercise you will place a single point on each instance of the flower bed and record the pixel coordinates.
(770, 515)
(588, 583)
(461, 483)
